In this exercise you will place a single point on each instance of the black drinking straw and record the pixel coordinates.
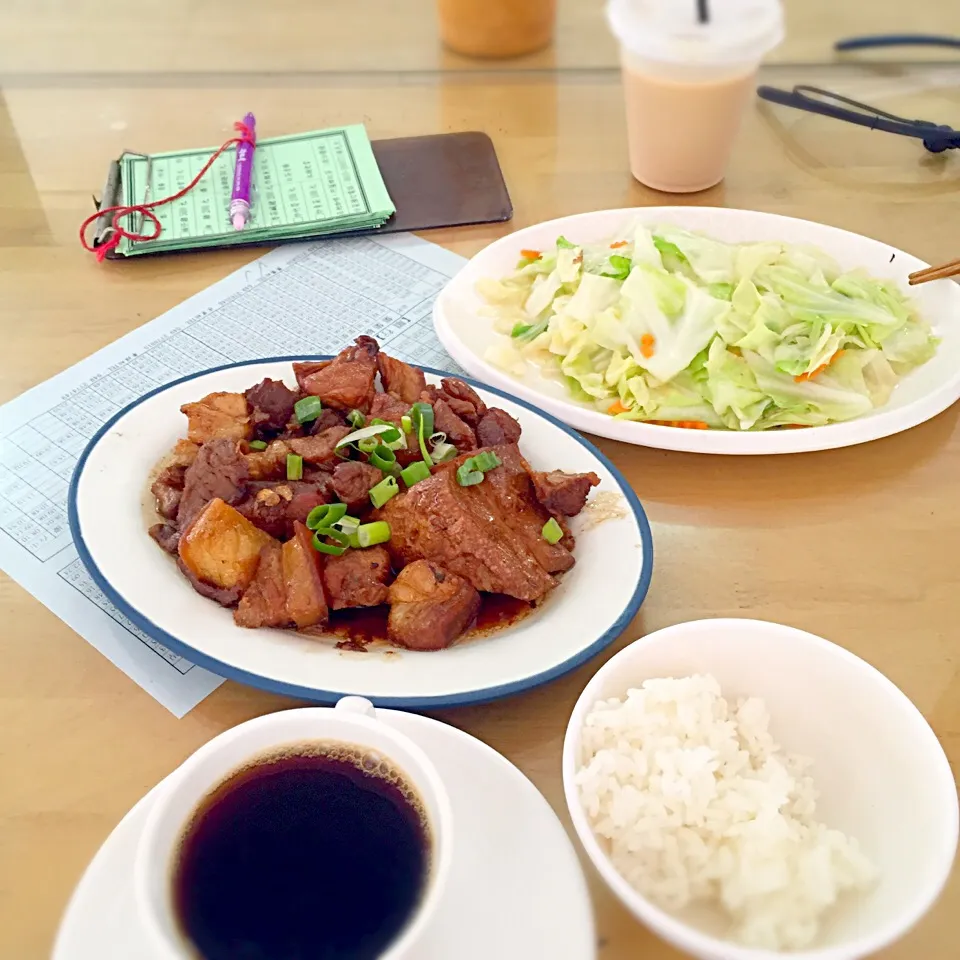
(703, 11)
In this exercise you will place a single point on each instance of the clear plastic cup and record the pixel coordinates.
(686, 83)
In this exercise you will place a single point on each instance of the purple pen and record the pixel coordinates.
(240, 198)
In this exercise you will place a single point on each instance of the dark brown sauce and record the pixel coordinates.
(497, 611)
(356, 629)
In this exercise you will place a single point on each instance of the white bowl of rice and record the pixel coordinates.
(751, 791)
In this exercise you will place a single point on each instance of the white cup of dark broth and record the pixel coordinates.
(317, 831)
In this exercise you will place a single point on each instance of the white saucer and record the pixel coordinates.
(516, 890)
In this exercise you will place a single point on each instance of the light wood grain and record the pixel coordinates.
(858, 545)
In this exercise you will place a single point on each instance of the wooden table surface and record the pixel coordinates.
(858, 545)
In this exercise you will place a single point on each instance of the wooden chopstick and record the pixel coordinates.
(944, 270)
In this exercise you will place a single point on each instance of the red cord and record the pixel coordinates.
(146, 209)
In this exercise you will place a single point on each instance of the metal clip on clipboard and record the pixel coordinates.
(110, 197)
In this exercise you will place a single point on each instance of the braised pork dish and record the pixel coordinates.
(367, 488)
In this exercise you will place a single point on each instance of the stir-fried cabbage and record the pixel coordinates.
(670, 326)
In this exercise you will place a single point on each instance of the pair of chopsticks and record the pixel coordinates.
(951, 269)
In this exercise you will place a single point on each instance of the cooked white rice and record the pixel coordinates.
(696, 804)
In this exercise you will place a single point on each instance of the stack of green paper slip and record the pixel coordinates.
(305, 185)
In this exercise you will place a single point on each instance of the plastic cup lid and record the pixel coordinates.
(737, 31)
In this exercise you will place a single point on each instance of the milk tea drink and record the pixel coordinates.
(686, 83)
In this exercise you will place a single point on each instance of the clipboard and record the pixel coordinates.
(439, 180)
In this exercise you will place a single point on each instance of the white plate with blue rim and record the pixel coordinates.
(109, 509)
(921, 394)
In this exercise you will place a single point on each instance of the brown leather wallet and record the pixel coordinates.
(445, 180)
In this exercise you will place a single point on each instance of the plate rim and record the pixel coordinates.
(805, 441)
(324, 696)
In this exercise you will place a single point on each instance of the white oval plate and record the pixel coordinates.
(922, 394)
(594, 602)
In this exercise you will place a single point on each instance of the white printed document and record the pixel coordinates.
(297, 300)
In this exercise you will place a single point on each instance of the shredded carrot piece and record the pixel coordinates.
(617, 407)
(647, 343)
(530, 254)
(823, 366)
(618, 244)
(683, 424)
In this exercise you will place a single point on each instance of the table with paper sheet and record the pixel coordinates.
(298, 300)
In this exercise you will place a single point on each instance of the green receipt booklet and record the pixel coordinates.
(304, 185)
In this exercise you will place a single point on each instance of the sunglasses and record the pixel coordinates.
(935, 137)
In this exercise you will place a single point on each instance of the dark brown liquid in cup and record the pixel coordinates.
(304, 855)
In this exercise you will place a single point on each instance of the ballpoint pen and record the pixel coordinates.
(240, 197)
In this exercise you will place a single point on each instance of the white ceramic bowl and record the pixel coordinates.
(881, 772)
(922, 394)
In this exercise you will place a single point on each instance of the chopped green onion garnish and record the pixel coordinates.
(383, 458)
(326, 515)
(415, 473)
(468, 475)
(421, 414)
(486, 460)
(294, 467)
(392, 435)
(258, 444)
(552, 531)
(375, 430)
(383, 491)
(316, 516)
(307, 409)
(423, 445)
(395, 441)
(354, 540)
(370, 534)
(406, 423)
(335, 513)
(329, 548)
(356, 419)
(564, 244)
(471, 471)
(438, 437)
(443, 452)
(347, 525)
(334, 534)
